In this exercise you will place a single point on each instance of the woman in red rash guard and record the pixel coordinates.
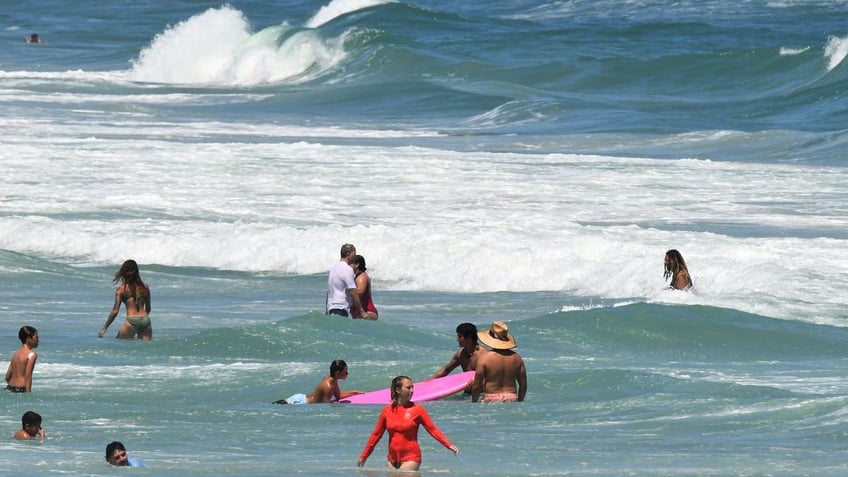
(402, 418)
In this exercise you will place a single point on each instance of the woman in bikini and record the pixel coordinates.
(135, 295)
(675, 268)
(402, 418)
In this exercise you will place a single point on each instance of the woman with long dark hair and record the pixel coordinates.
(675, 268)
(363, 288)
(135, 295)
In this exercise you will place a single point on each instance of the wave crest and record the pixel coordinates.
(234, 56)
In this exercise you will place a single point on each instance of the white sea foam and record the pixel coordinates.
(430, 219)
(337, 8)
(785, 51)
(187, 54)
(835, 50)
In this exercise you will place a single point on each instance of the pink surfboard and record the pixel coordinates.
(423, 390)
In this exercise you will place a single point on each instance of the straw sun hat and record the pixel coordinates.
(497, 337)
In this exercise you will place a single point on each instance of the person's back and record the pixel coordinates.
(326, 391)
(19, 372)
(501, 370)
(500, 373)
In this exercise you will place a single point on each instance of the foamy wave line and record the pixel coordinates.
(66, 375)
(784, 51)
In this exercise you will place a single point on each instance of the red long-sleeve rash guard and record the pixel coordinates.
(402, 424)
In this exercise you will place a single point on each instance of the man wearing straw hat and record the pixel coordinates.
(500, 373)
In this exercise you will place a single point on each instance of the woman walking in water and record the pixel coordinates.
(135, 295)
(402, 418)
(675, 267)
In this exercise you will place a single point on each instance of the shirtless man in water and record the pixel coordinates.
(500, 373)
(327, 390)
(466, 356)
(19, 372)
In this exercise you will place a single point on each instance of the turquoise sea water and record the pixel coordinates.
(522, 161)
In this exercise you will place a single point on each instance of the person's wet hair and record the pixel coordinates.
(26, 332)
(347, 249)
(467, 330)
(32, 418)
(359, 261)
(112, 447)
(397, 382)
(337, 366)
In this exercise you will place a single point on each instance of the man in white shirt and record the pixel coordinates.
(341, 284)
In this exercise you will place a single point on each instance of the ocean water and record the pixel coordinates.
(525, 161)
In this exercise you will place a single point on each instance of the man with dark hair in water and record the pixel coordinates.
(466, 357)
(30, 426)
(327, 390)
(19, 372)
(116, 454)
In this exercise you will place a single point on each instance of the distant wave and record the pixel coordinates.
(337, 8)
(234, 56)
(835, 51)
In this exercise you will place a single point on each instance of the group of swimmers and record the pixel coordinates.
(133, 293)
(499, 376)
(116, 453)
(500, 373)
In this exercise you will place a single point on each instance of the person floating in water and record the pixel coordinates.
(135, 295)
(675, 267)
(34, 38)
(327, 390)
(19, 372)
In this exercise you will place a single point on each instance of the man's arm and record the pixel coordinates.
(479, 381)
(446, 369)
(522, 382)
(354, 298)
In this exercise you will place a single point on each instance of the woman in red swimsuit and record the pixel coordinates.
(402, 418)
(363, 288)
